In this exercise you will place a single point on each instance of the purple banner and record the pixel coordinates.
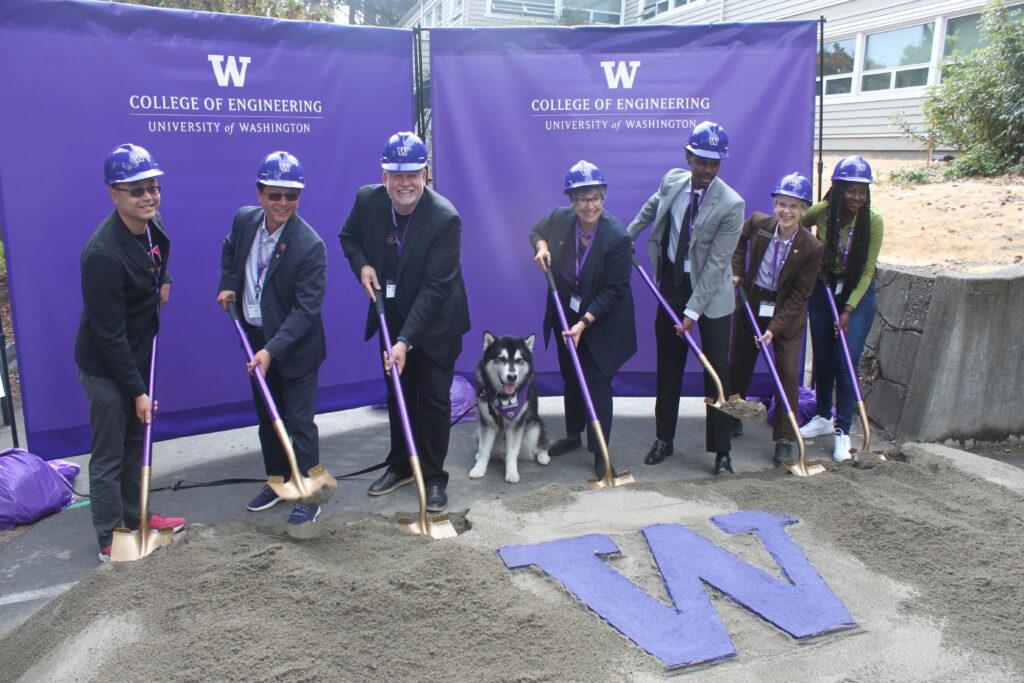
(209, 95)
(515, 108)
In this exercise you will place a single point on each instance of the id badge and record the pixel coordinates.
(574, 303)
(686, 265)
(390, 289)
(253, 312)
(839, 286)
(767, 309)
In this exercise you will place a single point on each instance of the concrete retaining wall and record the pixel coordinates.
(945, 356)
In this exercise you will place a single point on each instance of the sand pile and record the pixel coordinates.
(927, 558)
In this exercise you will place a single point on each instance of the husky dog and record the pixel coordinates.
(507, 404)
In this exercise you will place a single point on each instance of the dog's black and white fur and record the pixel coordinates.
(507, 404)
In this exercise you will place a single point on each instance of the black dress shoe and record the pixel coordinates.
(723, 462)
(783, 452)
(659, 451)
(437, 499)
(388, 482)
(737, 428)
(565, 445)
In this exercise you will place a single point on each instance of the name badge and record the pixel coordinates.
(686, 265)
(766, 309)
(574, 303)
(253, 312)
(839, 286)
(390, 289)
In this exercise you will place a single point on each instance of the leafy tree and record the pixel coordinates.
(978, 109)
(370, 12)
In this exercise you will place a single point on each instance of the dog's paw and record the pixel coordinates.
(543, 458)
(478, 471)
(512, 477)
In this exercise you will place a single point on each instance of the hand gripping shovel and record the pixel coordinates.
(801, 468)
(131, 545)
(866, 446)
(313, 489)
(624, 477)
(438, 527)
(736, 407)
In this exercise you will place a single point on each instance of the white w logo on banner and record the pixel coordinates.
(230, 71)
(621, 73)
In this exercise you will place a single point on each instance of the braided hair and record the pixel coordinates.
(858, 254)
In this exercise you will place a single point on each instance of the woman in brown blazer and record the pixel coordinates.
(776, 262)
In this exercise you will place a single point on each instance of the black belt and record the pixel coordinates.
(764, 294)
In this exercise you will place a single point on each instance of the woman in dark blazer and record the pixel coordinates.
(589, 252)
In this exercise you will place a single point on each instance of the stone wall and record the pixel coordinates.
(945, 356)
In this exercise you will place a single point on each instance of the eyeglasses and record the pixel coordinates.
(137, 192)
(276, 196)
(583, 201)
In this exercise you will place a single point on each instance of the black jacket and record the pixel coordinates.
(121, 300)
(431, 296)
(293, 289)
(606, 291)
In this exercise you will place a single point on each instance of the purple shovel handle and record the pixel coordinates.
(842, 341)
(665, 305)
(396, 382)
(258, 373)
(147, 437)
(571, 346)
(767, 350)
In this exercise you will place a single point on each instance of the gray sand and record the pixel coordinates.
(927, 558)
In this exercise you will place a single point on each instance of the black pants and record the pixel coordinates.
(296, 403)
(427, 390)
(115, 462)
(786, 356)
(600, 385)
(673, 352)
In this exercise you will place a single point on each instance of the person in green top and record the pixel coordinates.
(852, 234)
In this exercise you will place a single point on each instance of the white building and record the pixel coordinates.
(880, 55)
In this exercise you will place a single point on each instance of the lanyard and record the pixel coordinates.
(261, 266)
(153, 254)
(776, 266)
(398, 237)
(844, 250)
(580, 262)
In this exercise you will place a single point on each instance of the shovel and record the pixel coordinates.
(131, 545)
(866, 446)
(313, 489)
(801, 468)
(608, 480)
(736, 407)
(439, 527)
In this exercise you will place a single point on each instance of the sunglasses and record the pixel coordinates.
(138, 192)
(276, 196)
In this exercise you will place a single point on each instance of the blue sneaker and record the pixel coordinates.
(264, 500)
(304, 513)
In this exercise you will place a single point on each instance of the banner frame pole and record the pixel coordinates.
(821, 101)
(418, 79)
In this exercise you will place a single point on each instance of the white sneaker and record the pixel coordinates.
(817, 426)
(841, 449)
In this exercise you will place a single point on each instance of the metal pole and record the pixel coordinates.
(821, 100)
(8, 402)
(418, 43)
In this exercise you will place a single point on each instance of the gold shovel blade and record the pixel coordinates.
(739, 408)
(621, 479)
(129, 545)
(314, 489)
(439, 527)
(809, 468)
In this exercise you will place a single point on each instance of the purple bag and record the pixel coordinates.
(463, 398)
(29, 489)
(807, 404)
(68, 470)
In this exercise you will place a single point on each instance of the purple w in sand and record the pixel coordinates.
(691, 632)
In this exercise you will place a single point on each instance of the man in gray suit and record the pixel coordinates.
(697, 221)
(274, 265)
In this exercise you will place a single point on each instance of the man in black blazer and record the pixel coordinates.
(589, 250)
(274, 266)
(404, 239)
(124, 284)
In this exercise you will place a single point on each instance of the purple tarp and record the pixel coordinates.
(514, 108)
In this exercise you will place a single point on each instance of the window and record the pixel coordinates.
(456, 9)
(530, 8)
(596, 11)
(836, 66)
(898, 58)
(433, 15)
(655, 7)
(963, 33)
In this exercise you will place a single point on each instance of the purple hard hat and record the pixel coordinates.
(853, 169)
(794, 185)
(405, 151)
(127, 163)
(280, 169)
(584, 174)
(708, 140)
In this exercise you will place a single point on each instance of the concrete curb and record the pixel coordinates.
(992, 471)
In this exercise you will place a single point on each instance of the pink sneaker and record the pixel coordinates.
(160, 522)
(105, 553)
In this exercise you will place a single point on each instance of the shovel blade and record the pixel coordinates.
(621, 479)
(314, 489)
(741, 409)
(808, 469)
(129, 545)
(438, 528)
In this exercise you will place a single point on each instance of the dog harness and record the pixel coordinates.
(511, 407)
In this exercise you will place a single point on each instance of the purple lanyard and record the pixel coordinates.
(261, 266)
(399, 236)
(580, 262)
(845, 250)
(776, 266)
(151, 253)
